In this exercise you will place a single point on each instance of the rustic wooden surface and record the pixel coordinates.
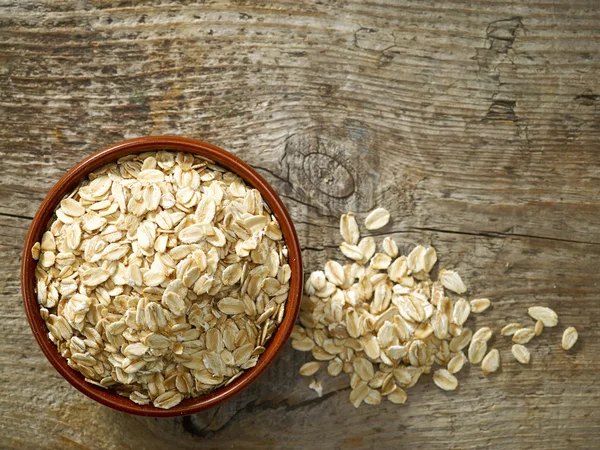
(476, 123)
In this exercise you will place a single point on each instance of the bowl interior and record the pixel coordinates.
(69, 181)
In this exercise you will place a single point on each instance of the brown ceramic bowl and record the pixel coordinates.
(69, 181)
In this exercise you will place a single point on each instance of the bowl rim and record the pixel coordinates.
(69, 181)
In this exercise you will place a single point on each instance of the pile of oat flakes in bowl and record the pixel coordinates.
(162, 276)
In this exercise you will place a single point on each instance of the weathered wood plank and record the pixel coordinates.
(476, 123)
(507, 409)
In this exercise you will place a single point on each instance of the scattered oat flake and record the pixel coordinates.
(335, 366)
(445, 380)
(479, 305)
(456, 363)
(398, 396)
(373, 397)
(484, 333)
(459, 342)
(305, 344)
(523, 336)
(310, 368)
(351, 251)
(317, 387)
(380, 261)
(367, 246)
(364, 368)
(452, 281)
(548, 317)
(538, 328)
(477, 350)
(358, 394)
(521, 353)
(335, 273)
(462, 309)
(510, 329)
(569, 338)
(491, 362)
(390, 247)
(378, 218)
(349, 229)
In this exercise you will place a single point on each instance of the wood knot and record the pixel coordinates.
(334, 170)
(328, 175)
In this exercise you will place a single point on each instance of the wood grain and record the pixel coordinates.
(476, 123)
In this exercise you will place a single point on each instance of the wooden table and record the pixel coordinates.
(476, 123)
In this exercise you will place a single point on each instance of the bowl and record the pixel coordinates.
(79, 172)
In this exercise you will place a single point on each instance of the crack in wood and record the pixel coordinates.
(587, 98)
(195, 428)
(270, 172)
(253, 407)
(497, 234)
(303, 222)
(501, 34)
(318, 249)
(487, 234)
(306, 204)
(16, 216)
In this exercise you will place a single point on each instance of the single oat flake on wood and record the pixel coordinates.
(378, 218)
(477, 350)
(456, 363)
(521, 353)
(317, 387)
(547, 316)
(484, 333)
(309, 369)
(491, 362)
(569, 338)
(452, 281)
(445, 380)
(479, 305)
(511, 329)
(523, 336)
(349, 229)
